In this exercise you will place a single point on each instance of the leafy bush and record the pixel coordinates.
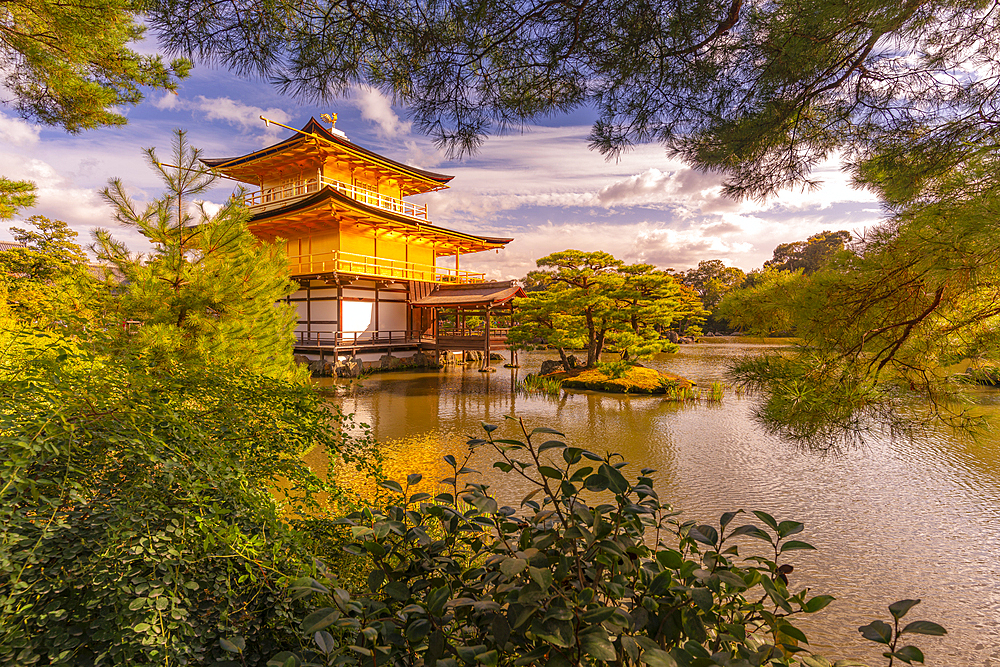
(138, 523)
(591, 569)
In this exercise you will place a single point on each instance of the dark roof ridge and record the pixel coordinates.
(315, 127)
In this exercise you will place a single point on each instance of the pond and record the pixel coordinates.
(893, 519)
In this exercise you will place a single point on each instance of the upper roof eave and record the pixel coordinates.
(315, 128)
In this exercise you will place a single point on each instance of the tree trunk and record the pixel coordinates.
(593, 356)
(599, 346)
(565, 359)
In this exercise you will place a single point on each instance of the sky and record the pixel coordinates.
(542, 185)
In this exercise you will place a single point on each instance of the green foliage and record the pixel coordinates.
(591, 569)
(809, 255)
(69, 63)
(919, 296)
(767, 304)
(713, 280)
(594, 301)
(541, 383)
(137, 521)
(881, 632)
(47, 282)
(762, 92)
(208, 292)
(15, 195)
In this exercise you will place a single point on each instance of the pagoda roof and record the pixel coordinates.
(247, 167)
(274, 222)
(472, 294)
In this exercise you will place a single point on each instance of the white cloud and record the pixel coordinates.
(16, 132)
(376, 108)
(168, 101)
(650, 185)
(244, 116)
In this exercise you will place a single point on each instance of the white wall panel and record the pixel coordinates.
(358, 316)
(324, 310)
(391, 316)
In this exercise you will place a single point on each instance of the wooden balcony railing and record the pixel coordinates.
(300, 189)
(360, 338)
(378, 267)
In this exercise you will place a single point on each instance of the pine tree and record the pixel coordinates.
(592, 300)
(208, 292)
(69, 63)
(15, 195)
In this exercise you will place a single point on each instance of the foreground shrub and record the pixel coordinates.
(138, 523)
(591, 569)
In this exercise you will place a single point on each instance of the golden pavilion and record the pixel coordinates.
(374, 272)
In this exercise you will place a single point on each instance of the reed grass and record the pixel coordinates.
(540, 384)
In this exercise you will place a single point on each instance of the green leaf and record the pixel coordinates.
(436, 599)
(513, 566)
(417, 630)
(899, 608)
(909, 655)
(814, 661)
(877, 631)
(790, 630)
(813, 605)
(325, 641)
(283, 659)
(924, 628)
(229, 646)
(550, 472)
(319, 619)
(704, 534)
(616, 481)
(489, 428)
(670, 558)
(793, 545)
(767, 518)
(788, 528)
(596, 482)
(141, 627)
(550, 444)
(655, 657)
(545, 429)
(136, 604)
(488, 658)
(414, 479)
(752, 531)
(541, 576)
(392, 485)
(703, 598)
(598, 615)
(597, 646)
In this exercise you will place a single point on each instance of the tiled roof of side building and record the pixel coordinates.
(7, 245)
(492, 293)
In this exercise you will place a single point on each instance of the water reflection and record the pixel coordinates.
(895, 519)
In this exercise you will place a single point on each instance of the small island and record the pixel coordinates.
(634, 380)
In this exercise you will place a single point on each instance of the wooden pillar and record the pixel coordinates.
(486, 358)
(309, 316)
(377, 329)
(340, 314)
